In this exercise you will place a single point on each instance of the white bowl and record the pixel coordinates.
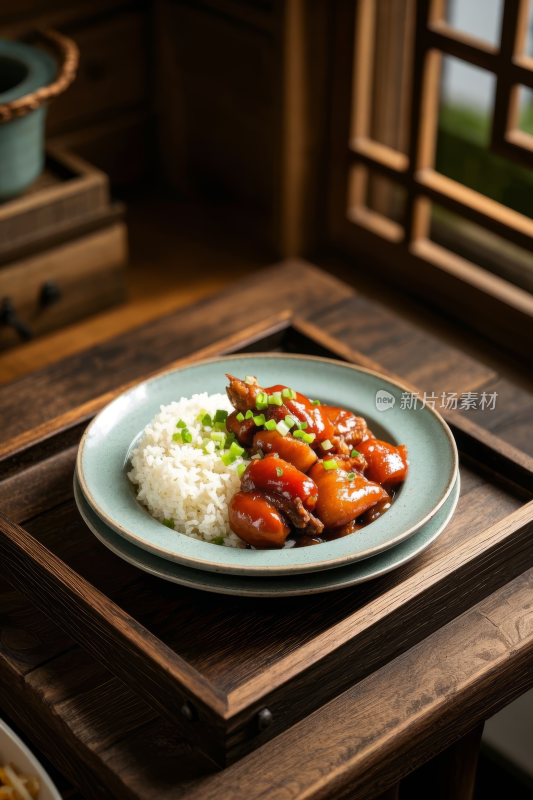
(13, 749)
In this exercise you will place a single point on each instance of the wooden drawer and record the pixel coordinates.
(89, 273)
(111, 74)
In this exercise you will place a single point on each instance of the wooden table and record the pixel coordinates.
(431, 700)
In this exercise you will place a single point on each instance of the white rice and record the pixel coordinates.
(182, 482)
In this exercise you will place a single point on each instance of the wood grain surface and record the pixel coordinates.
(297, 286)
(113, 745)
(235, 671)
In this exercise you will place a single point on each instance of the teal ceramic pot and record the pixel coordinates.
(23, 69)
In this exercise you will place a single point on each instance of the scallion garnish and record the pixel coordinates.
(289, 393)
(218, 540)
(330, 464)
(236, 449)
(326, 444)
(275, 399)
(218, 436)
(169, 523)
(282, 428)
(289, 422)
(351, 476)
(201, 415)
(261, 401)
(355, 453)
(228, 458)
(249, 414)
(303, 425)
(230, 437)
(176, 436)
(220, 416)
(315, 402)
(207, 421)
(298, 434)
(309, 437)
(241, 469)
(270, 425)
(279, 472)
(181, 424)
(260, 419)
(186, 436)
(240, 417)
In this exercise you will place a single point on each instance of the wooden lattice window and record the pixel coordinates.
(391, 203)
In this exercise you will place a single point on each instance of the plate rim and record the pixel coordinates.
(251, 593)
(213, 566)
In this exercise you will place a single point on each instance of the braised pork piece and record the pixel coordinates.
(317, 472)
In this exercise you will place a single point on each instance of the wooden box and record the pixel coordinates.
(211, 663)
(63, 250)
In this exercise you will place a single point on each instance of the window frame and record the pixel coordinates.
(405, 255)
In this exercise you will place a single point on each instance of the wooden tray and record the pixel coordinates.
(211, 663)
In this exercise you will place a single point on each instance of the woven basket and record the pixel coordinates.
(68, 57)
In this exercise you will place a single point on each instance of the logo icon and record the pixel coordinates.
(384, 400)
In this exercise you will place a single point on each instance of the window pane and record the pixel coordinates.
(482, 247)
(465, 116)
(528, 45)
(479, 18)
(382, 71)
(525, 105)
(376, 202)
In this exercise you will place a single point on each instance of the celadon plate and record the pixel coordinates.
(279, 586)
(104, 453)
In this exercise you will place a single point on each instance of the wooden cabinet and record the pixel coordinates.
(111, 76)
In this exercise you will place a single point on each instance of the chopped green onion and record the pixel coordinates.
(228, 458)
(220, 426)
(230, 437)
(181, 424)
(355, 453)
(282, 428)
(176, 436)
(169, 523)
(279, 472)
(330, 464)
(218, 540)
(220, 416)
(201, 415)
(289, 422)
(290, 393)
(260, 419)
(217, 436)
(326, 444)
(241, 469)
(303, 425)
(315, 402)
(207, 420)
(186, 436)
(275, 399)
(236, 450)
(250, 379)
(270, 425)
(298, 434)
(309, 437)
(261, 401)
(351, 476)
(249, 414)
(240, 416)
